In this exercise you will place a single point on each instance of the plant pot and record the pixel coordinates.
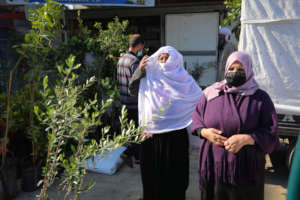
(30, 178)
(8, 176)
(30, 174)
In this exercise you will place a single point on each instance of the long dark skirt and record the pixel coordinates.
(165, 166)
(223, 191)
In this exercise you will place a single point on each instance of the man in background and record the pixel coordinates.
(127, 64)
(225, 48)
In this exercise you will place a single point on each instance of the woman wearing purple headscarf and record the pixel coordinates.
(238, 123)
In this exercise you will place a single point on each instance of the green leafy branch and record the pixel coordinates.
(68, 120)
(233, 15)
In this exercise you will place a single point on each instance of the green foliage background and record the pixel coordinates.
(60, 105)
(233, 16)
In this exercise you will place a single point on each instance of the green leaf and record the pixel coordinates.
(45, 82)
(60, 69)
(73, 148)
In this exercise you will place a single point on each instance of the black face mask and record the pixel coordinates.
(235, 79)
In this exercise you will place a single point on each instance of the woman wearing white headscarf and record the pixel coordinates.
(167, 97)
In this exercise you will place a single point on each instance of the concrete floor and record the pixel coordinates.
(126, 184)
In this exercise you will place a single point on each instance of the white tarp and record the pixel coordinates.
(270, 33)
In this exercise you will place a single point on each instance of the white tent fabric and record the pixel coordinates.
(270, 33)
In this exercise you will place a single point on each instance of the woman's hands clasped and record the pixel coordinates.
(232, 144)
(238, 141)
(214, 136)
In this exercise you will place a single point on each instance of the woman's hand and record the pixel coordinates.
(214, 136)
(236, 142)
(143, 63)
(146, 135)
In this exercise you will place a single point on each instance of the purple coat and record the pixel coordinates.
(254, 115)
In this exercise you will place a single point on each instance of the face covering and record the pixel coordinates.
(140, 53)
(162, 65)
(235, 79)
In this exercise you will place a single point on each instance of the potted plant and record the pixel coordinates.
(66, 118)
(31, 165)
(23, 134)
(39, 50)
(8, 167)
(31, 162)
(25, 138)
(44, 49)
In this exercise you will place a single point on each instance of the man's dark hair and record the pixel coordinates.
(135, 40)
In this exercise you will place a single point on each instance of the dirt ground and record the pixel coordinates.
(126, 184)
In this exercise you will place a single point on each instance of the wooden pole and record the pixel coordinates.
(5, 140)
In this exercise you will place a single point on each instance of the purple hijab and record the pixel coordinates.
(248, 88)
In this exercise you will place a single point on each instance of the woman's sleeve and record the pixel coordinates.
(266, 136)
(134, 83)
(198, 116)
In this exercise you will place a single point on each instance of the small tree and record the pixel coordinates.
(108, 44)
(233, 16)
(38, 50)
(66, 118)
(43, 48)
(64, 107)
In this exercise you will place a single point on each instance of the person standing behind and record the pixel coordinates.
(226, 47)
(127, 64)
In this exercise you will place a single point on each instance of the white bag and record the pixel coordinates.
(108, 164)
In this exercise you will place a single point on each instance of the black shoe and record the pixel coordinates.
(128, 160)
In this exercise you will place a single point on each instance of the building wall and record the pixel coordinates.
(151, 23)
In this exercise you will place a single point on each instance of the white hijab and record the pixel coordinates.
(169, 88)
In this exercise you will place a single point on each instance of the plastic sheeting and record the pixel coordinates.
(270, 33)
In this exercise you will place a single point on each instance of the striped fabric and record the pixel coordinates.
(126, 67)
